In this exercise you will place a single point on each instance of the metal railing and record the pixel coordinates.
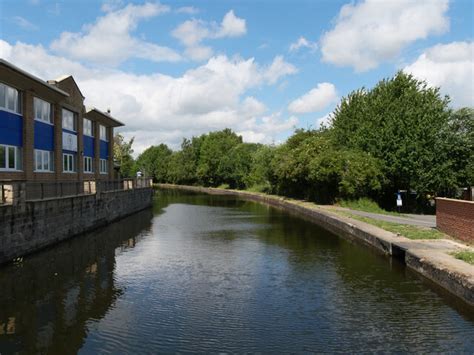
(44, 190)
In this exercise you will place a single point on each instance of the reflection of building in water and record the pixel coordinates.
(48, 300)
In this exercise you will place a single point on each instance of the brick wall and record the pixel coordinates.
(455, 218)
(33, 225)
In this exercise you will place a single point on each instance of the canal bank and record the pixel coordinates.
(430, 258)
(29, 225)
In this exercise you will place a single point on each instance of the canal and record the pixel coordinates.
(218, 274)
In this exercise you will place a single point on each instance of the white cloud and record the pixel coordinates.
(279, 68)
(449, 66)
(323, 121)
(160, 108)
(314, 100)
(111, 5)
(373, 31)
(303, 43)
(267, 128)
(190, 10)
(192, 32)
(109, 40)
(24, 23)
(231, 26)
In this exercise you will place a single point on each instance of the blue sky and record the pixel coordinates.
(174, 69)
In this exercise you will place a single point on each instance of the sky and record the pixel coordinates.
(263, 68)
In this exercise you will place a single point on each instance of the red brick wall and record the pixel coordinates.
(455, 218)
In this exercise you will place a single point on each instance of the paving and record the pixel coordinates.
(410, 219)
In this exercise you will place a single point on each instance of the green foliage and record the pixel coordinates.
(214, 164)
(154, 162)
(405, 230)
(399, 135)
(465, 255)
(401, 122)
(261, 173)
(123, 155)
(364, 204)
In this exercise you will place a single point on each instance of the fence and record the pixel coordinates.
(34, 190)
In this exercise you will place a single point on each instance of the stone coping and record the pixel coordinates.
(454, 200)
(430, 258)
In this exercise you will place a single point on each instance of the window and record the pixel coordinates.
(10, 99)
(103, 133)
(88, 167)
(42, 110)
(104, 168)
(88, 127)
(44, 160)
(69, 120)
(69, 163)
(10, 158)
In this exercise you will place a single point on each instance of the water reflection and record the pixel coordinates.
(47, 300)
(216, 274)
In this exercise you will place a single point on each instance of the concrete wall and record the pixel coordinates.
(456, 218)
(32, 225)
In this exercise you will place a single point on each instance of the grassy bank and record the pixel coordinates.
(408, 231)
(466, 255)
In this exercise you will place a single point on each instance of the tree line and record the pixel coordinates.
(399, 135)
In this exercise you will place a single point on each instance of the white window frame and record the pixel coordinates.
(88, 127)
(103, 133)
(17, 158)
(89, 165)
(67, 124)
(5, 91)
(42, 110)
(69, 166)
(104, 166)
(45, 158)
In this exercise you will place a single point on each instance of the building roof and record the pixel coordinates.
(65, 77)
(105, 116)
(32, 77)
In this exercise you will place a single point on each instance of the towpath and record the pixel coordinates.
(411, 219)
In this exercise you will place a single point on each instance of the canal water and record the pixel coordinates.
(217, 274)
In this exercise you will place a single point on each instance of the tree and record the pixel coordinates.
(401, 122)
(154, 162)
(460, 144)
(123, 155)
(214, 167)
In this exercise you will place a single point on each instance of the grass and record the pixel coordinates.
(408, 231)
(366, 205)
(466, 255)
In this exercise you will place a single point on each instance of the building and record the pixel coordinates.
(46, 132)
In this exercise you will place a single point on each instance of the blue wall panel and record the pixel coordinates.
(104, 150)
(11, 129)
(88, 146)
(44, 136)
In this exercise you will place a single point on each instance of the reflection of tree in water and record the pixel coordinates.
(47, 300)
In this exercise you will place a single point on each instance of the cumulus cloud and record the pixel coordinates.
(449, 66)
(109, 40)
(161, 108)
(372, 31)
(278, 69)
(192, 32)
(267, 128)
(303, 43)
(314, 100)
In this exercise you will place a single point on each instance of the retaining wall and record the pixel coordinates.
(33, 225)
(455, 218)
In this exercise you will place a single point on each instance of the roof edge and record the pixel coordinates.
(105, 114)
(32, 77)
